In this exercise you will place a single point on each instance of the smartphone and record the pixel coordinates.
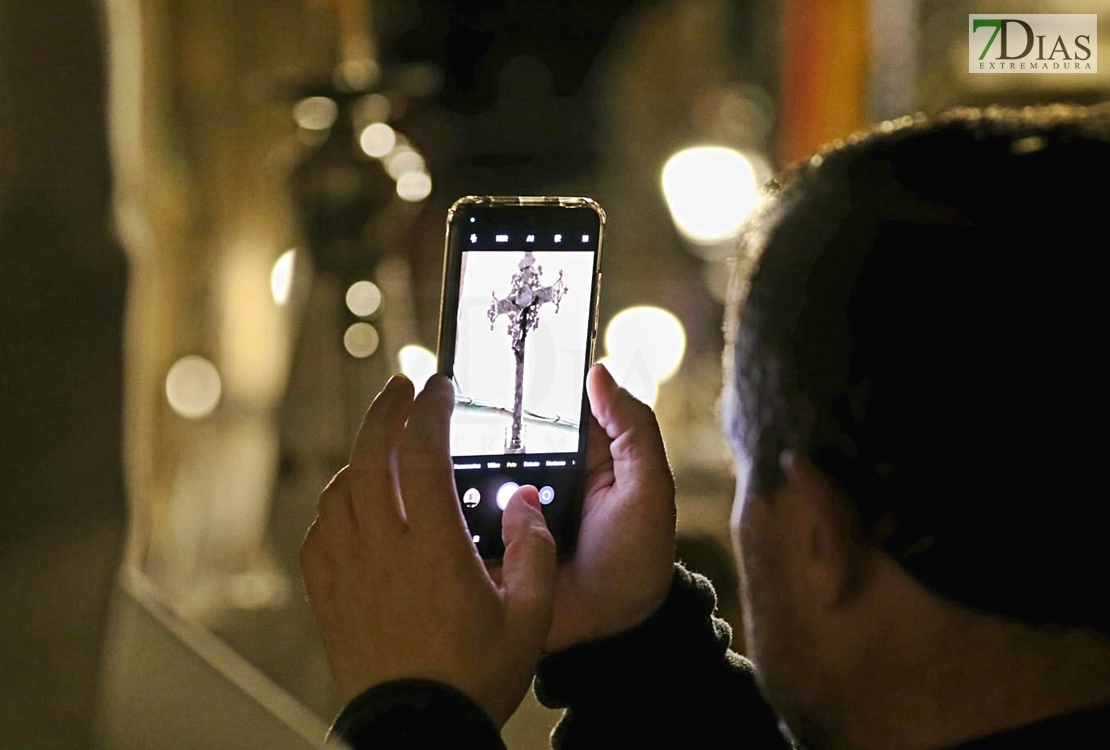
(518, 321)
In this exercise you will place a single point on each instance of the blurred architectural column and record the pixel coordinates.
(202, 146)
(894, 28)
(62, 282)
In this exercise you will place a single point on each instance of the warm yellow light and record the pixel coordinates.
(417, 363)
(357, 73)
(315, 113)
(193, 387)
(377, 139)
(364, 298)
(372, 108)
(281, 277)
(414, 186)
(402, 160)
(647, 338)
(361, 340)
(710, 191)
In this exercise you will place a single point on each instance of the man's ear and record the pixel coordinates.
(825, 529)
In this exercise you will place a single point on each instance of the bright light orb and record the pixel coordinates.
(361, 340)
(710, 190)
(193, 387)
(417, 363)
(315, 112)
(403, 160)
(377, 139)
(646, 338)
(364, 298)
(414, 186)
(281, 277)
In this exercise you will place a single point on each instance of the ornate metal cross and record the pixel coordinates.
(521, 307)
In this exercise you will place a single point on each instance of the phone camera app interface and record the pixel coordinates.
(522, 339)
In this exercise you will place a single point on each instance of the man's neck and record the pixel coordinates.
(950, 675)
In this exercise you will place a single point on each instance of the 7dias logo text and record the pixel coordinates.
(1032, 43)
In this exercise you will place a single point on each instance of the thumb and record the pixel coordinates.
(637, 447)
(528, 566)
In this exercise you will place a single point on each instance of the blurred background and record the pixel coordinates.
(221, 229)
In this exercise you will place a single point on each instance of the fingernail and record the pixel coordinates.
(531, 498)
(439, 377)
(390, 385)
(443, 383)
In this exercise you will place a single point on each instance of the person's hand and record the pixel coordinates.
(623, 565)
(395, 583)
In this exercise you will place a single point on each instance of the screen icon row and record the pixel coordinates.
(502, 238)
(472, 497)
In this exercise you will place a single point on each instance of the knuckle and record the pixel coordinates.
(535, 532)
(544, 538)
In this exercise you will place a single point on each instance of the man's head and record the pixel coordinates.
(916, 357)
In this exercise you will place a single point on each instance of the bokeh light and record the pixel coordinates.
(377, 139)
(402, 160)
(372, 108)
(193, 387)
(281, 277)
(315, 113)
(357, 73)
(417, 363)
(364, 298)
(710, 190)
(361, 340)
(414, 186)
(647, 337)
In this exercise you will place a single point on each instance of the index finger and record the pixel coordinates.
(372, 476)
(425, 469)
(635, 442)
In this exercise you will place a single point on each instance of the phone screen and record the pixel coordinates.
(516, 337)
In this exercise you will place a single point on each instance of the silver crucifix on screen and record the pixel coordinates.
(522, 307)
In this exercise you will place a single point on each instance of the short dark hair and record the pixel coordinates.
(924, 319)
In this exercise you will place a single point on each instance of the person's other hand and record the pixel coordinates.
(623, 564)
(395, 583)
